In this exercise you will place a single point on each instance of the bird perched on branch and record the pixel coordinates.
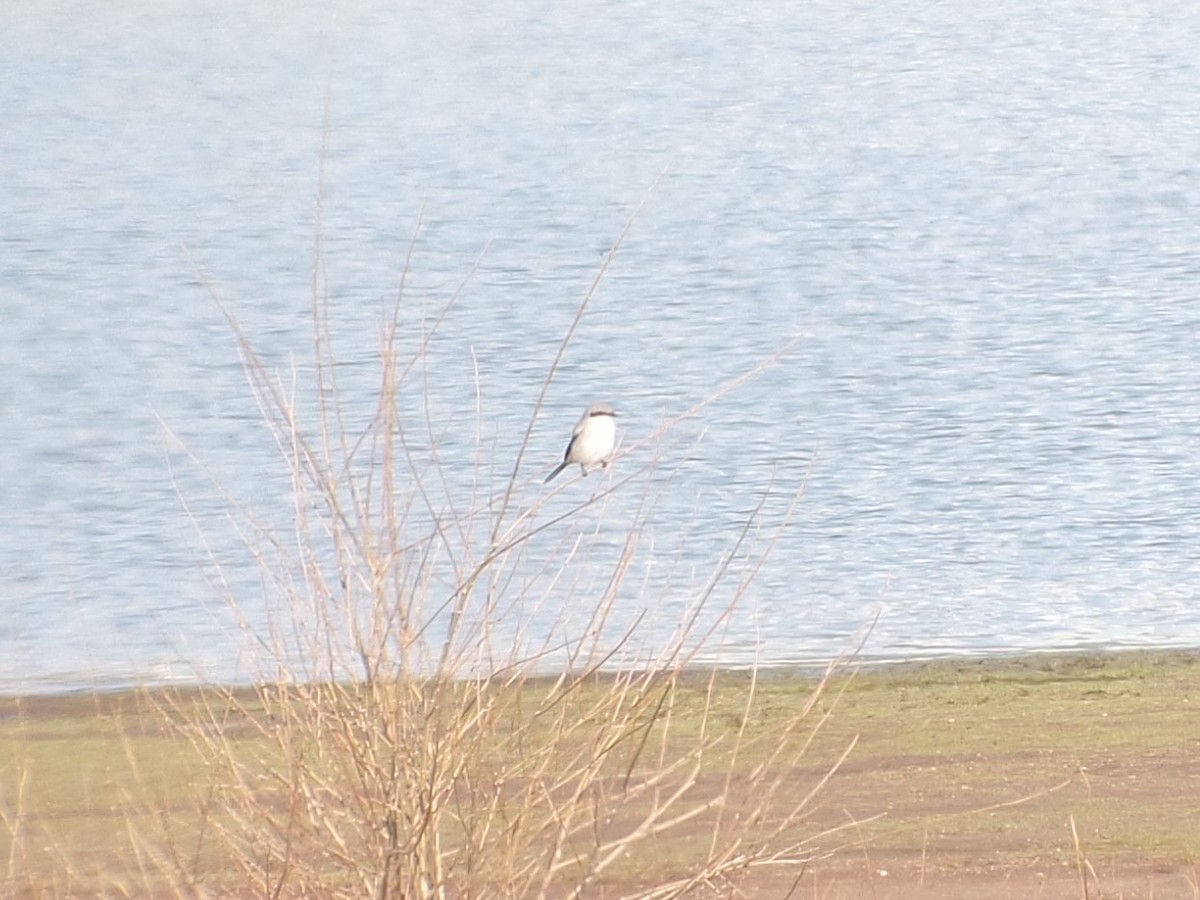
(591, 441)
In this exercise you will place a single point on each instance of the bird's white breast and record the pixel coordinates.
(595, 439)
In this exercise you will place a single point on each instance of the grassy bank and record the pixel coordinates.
(1034, 771)
(1082, 768)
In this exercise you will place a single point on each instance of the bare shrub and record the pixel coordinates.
(453, 701)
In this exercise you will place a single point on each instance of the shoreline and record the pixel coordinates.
(987, 663)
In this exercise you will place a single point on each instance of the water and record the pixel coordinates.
(979, 225)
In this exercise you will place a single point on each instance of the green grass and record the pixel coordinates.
(968, 762)
(1110, 740)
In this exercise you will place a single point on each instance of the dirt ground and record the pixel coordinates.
(926, 848)
(905, 881)
(1055, 777)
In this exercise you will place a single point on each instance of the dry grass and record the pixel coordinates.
(509, 787)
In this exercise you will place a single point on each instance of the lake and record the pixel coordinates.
(975, 230)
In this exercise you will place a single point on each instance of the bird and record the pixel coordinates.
(591, 441)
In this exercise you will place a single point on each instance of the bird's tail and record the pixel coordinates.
(554, 474)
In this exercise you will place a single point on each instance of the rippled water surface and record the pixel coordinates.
(980, 227)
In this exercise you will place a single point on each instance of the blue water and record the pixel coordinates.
(979, 226)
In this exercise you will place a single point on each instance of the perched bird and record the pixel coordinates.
(591, 441)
